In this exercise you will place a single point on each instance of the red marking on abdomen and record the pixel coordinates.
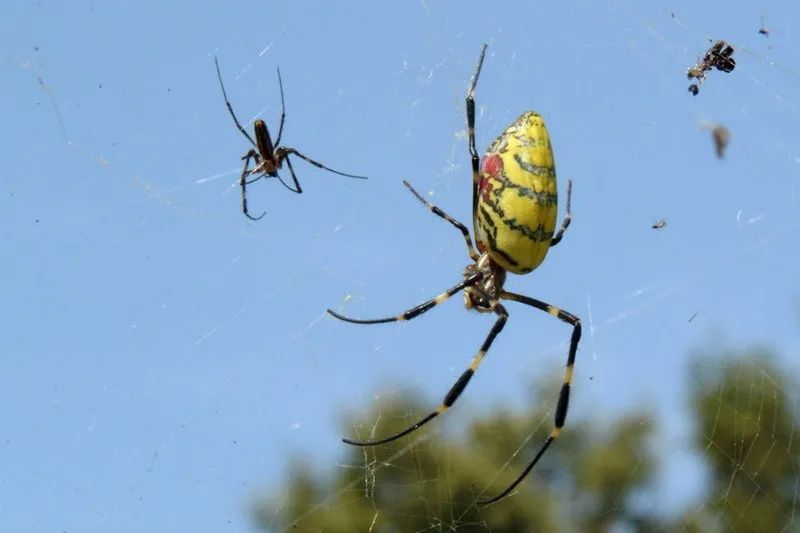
(492, 166)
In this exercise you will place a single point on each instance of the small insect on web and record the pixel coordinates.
(268, 157)
(514, 206)
(719, 56)
(762, 30)
(721, 137)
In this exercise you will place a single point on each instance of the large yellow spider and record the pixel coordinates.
(514, 209)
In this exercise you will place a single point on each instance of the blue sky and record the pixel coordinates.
(165, 358)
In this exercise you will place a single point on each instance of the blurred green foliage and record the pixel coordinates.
(597, 477)
(747, 434)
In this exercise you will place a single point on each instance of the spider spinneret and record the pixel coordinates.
(514, 206)
(268, 157)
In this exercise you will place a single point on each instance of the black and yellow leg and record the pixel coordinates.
(567, 217)
(252, 154)
(563, 397)
(418, 310)
(473, 152)
(457, 388)
(438, 212)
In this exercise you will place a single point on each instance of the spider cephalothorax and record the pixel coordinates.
(484, 295)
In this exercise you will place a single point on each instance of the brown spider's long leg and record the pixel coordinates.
(471, 131)
(282, 152)
(567, 217)
(258, 177)
(563, 397)
(230, 107)
(297, 189)
(252, 154)
(283, 110)
(438, 212)
(421, 308)
(457, 388)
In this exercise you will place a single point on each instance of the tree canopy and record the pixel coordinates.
(599, 477)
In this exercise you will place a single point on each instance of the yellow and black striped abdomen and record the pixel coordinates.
(517, 196)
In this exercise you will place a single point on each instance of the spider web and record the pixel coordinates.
(188, 364)
(658, 41)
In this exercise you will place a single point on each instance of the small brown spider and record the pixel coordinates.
(268, 156)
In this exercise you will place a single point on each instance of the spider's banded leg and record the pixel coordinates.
(252, 154)
(457, 388)
(258, 176)
(471, 131)
(297, 189)
(256, 163)
(563, 397)
(418, 310)
(283, 110)
(230, 107)
(438, 212)
(283, 152)
(567, 217)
